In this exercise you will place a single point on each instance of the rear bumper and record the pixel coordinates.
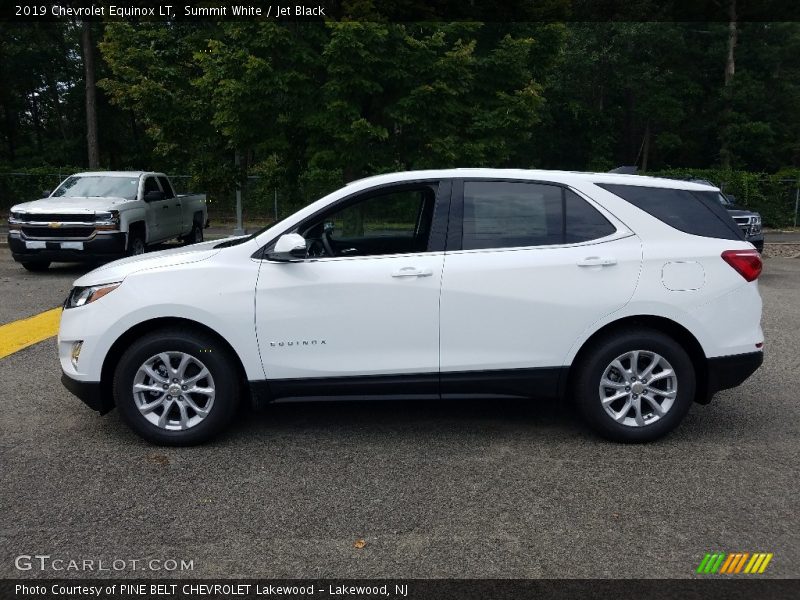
(726, 372)
(90, 392)
(104, 246)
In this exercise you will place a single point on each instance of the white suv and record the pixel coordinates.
(634, 296)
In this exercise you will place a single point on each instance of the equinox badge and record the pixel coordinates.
(298, 343)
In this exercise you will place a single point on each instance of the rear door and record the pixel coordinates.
(529, 267)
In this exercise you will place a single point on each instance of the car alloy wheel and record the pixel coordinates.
(638, 388)
(174, 391)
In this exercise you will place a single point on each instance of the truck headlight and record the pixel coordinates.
(79, 296)
(107, 220)
(15, 220)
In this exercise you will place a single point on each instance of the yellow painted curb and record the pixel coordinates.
(20, 334)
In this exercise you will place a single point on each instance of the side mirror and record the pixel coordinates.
(153, 195)
(46, 193)
(290, 247)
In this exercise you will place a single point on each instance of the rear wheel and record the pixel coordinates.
(176, 387)
(635, 386)
(39, 265)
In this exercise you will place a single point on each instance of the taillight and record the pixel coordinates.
(746, 262)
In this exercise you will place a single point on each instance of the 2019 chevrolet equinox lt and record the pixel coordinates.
(634, 296)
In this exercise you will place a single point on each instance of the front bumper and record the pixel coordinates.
(90, 392)
(105, 246)
(726, 372)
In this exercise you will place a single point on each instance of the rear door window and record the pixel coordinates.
(505, 214)
(583, 221)
(697, 213)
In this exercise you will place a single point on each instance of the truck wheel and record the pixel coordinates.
(176, 387)
(195, 235)
(135, 243)
(635, 385)
(38, 265)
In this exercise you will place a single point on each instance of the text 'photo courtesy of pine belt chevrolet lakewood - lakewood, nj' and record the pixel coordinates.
(633, 297)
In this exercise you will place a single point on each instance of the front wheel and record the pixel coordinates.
(136, 243)
(176, 388)
(635, 386)
(195, 235)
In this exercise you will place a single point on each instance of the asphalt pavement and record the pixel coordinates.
(401, 489)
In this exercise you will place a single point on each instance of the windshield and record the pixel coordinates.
(98, 186)
(723, 199)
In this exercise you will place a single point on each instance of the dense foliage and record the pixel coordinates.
(304, 107)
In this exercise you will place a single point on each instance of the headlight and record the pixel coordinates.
(15, 219)
(80, 296)
(107, 219)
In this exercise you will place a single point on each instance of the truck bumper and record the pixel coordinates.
(102, 246)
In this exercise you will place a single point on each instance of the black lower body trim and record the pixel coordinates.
(541, 383)
(90, 392)
(725, 372)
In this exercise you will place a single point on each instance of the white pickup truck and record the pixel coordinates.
(101, 216)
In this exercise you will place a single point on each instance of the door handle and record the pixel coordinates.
(597, 261)
(412, 272)
(164, 207)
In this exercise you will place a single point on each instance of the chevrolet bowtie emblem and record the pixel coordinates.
(54, 225)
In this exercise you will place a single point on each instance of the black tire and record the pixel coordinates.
(205, 348)
(598, 357)
(136, 243)
(36, 266)
(195, 235)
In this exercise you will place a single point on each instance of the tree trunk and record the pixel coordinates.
(646, 147)
(10, 123)
(733, 36)
(91, 96)
(37, 121)
(730, 70)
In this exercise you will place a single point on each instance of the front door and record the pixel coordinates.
(160, 213)
(364, 305)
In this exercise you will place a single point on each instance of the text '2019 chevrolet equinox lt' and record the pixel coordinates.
(634, 296)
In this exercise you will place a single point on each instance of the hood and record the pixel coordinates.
(735, 211)
(120, 269)
(77, 204)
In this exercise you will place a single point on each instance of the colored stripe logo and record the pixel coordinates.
(734, 563)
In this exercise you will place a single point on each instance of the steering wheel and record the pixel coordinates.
(326, 242)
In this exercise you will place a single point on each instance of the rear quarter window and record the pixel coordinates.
(697, 213)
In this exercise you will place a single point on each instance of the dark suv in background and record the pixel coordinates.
(747, 220)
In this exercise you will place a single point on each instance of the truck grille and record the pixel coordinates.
(57, 232)
(747, 227)
(60, 218)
